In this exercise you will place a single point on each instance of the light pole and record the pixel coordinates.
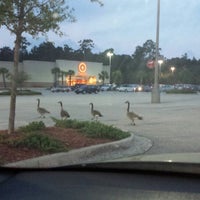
(155, 95)
(110, 54)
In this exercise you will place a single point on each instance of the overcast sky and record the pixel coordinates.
(125, 24)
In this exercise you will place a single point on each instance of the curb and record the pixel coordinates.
(130, 146)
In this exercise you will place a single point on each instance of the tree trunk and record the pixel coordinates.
(54, 80)
(4, 80)
(11, 125)
(70, 80)
(62, 78)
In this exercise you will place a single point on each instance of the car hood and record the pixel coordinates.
(187, 163)
(168, 157)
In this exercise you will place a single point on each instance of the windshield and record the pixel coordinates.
(98, 81)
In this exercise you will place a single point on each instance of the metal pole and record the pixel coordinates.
(155, 95)
(110, 60)
(110, 54)
(109, 66)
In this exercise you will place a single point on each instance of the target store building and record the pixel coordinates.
(85, 72)
(40, 72)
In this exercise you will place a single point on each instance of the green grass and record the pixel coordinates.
(39, 141)
(93, 129)
(182, 91)
(99, 130)
(21, 92)
(32, 136)
(69, 123)
(32, 126)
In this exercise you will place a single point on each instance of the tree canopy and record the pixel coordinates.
(32, 17)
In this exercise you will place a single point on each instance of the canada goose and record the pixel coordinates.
(63, 113)
(95, 113)
(131, 115)
(41, 111)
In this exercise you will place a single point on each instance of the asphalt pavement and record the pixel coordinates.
(172, 126)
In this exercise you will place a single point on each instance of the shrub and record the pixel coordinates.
(69, 123)
(3, 138)
(41, 142)
(33, 126)
(98, 130)
(93, 129)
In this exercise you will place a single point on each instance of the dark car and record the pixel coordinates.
(83, 89)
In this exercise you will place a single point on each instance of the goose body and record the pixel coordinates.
(41, 111)
(63, 113)
(95, 113)
(131, 115)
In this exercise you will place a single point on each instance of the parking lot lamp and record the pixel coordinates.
(172, 69)
(109, 54)
(160, 62)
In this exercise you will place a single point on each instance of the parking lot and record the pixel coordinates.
(173, 125)
(111, 104)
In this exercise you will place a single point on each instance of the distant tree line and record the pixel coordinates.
(124, 68)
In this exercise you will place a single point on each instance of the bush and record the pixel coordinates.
(98, 130)
(93, 129)
(3, 138)
(33, 126)
(69, 123)
(41, 142)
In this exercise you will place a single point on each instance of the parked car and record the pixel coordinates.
(106, 87)
(61, 89)
(164, 88)
(127, 88)
(187, 87)
(147, 88)
(83, 89)
(139, 88)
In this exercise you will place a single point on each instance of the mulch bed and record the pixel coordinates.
(71, 137)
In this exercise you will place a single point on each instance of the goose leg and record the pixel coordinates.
(133, 123)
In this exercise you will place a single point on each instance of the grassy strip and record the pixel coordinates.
(21, 92)
(182, 91)
(93, 129)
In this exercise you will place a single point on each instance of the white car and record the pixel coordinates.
(105, 87)
(127, 88)
(61, 89)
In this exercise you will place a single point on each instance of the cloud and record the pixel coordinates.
(125, 24)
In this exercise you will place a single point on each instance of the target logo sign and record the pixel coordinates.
(82, 67)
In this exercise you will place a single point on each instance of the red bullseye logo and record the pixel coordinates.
(82, 67)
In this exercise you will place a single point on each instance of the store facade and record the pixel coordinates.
(40, 72)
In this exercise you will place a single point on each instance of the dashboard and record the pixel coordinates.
(92, 183)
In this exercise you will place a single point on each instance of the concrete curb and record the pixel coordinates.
(130, 146)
